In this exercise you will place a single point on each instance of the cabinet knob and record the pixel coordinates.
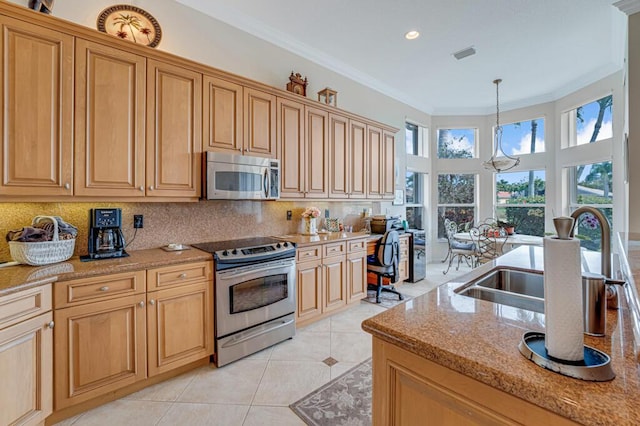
(182, 275)
(248, 149)
(141, 188)
(51, 324)
(152, 302)
(67, 185)
(240, 149)
(150, 187)
(104, 288)
(141, 304)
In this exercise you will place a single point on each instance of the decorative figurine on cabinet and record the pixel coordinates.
(296, 84)
(44, 6)
(328, 96)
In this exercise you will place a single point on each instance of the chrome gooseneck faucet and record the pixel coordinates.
(605, 236)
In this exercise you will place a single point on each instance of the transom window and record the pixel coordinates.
(524, 137)
(520, 200)
(457, 143)
(456, 199)
(415, 139)
(591, 122)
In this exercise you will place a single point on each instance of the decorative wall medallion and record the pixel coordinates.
(130, 23)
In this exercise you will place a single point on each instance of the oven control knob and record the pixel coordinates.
(225, 253)
(234, 251)
(278, 245)
(286, 244)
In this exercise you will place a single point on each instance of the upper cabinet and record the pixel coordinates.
(238, 119)
(358, 159)
(339, 153)
(174, 130)
(388, 162)
(110, 121)
(291, 147)
(37, 107)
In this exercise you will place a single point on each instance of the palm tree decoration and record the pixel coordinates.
(131, 21)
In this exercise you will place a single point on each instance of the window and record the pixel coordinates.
(456, 199)
(524, 137)
(591, 186)
(520, 200)
(456, 143)
(415, 139)
(592, 122)
(414, 199)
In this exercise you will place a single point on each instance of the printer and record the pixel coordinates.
(382, 224)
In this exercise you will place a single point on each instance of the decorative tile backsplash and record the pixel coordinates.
(185, 223)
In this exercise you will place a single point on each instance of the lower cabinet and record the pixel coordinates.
(113, 333)
(26, 346)
(329, 277)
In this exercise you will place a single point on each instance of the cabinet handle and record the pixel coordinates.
(141, 188)
(105, 288)
(67, 185)
(182, 275)
(240, 149)
(51, 324)
(150, 187)
(248, 149)
(152, 302)
(141, 304)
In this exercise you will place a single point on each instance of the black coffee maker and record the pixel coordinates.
(105, 234)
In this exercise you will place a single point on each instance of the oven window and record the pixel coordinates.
(259, 292)
(238, 181)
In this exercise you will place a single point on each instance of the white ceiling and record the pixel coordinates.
(542, 49)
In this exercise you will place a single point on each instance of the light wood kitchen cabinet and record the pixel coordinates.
(334, 282)
(339, 156)
(259, 123)
(100, 343)
(309, 294)
(109, 121)
(179, 315)
(26, 354)
(222, 109)
(358, 159)
(374, 149)
(291, 148)
(316, 152)
(388, 162)
(408, 389)
(174, 131)
(37, 110)
(356, 270)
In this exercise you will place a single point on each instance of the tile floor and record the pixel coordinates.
(258, 389)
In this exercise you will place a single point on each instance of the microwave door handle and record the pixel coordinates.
(265, 183)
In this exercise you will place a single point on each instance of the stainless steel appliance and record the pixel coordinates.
(105, 234)
(417, 255)
(242, 177)
(255, 298)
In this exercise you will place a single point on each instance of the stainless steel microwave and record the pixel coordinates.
(242, 177)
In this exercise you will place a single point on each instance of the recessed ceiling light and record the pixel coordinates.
(412, 35)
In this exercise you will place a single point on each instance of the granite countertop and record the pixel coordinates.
(480, 339)
(329, 237)
(21, 277)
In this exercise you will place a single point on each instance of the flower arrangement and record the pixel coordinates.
(311, 212)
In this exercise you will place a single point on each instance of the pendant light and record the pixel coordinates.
(504, 162)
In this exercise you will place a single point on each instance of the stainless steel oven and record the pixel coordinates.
(255, 296)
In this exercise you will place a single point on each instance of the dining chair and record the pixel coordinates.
(488, 242)
(457, 249)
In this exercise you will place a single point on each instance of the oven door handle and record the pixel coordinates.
(230, 275)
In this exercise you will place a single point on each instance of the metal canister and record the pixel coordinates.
(594, 302)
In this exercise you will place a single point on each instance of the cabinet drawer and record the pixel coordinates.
(356, 245)
(94, 289)
(334, 249)
(181, 274)
(404, 241)
(25, 304)
(304, 254)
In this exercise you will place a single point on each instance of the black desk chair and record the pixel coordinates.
(384, 263)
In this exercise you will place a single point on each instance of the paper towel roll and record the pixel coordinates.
(563, 299)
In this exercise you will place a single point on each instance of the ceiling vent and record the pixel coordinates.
(464, 53)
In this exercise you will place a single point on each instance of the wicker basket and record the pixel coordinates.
(45, 252)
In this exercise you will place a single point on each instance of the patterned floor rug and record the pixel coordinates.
(387, 300)
(345, 400)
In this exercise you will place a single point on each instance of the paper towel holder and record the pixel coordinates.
(596, 366)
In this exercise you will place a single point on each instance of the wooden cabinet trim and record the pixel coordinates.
(25, 304)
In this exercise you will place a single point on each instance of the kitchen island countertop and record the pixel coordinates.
(480, 340)
(22, 277)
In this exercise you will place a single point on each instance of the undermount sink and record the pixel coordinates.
(510, 287)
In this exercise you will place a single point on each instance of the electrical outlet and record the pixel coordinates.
(138, 221)
(289, 214)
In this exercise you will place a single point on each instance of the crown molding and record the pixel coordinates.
(628, 6)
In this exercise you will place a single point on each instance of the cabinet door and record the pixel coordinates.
(356, 276)
(374, 142)
(174, 131)
(109, 121)
(309, 286)
(179, 325)
(98, 348)
(291, 152)
(339, 156)
(335, 283)
(317, 152)
(26, 368)
(259, 123)
(222, 112)
(388, 163)
(358, 159)
(37, 108)
(403, 264)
